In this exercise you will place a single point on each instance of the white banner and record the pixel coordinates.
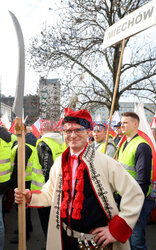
(143, 124)
(135, 22)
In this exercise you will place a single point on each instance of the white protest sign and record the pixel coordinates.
(135, 22)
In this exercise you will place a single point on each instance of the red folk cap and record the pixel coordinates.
(81, 114)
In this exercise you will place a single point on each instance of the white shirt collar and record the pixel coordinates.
(76, 154)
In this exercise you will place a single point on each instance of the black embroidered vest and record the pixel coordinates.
(92, 215)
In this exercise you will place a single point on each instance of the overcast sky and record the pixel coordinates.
(31, 14)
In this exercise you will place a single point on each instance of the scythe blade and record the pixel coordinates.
(18, 102)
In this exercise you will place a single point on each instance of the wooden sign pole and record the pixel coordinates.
(114, 95)
(20, 132)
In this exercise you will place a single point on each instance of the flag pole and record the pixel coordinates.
(20, 132)
(114, 95)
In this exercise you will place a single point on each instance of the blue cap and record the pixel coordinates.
(118, 124)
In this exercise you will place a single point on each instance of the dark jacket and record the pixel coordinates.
(4, 134)
(45, 158)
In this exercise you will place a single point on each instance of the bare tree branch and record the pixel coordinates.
(73, 46)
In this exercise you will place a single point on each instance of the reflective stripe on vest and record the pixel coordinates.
(29, 164)
(38, 184)
(4, 161)
(37, 171)
(28, 174)
(130, 168)
(4, 172)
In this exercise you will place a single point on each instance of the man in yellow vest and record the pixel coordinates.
(48, 148)
(30, 144)
(99, 134)
(136, 157)
(5, 168)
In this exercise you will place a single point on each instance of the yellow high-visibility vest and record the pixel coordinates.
(37, 178)
(5, 161)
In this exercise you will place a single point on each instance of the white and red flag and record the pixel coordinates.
(153, 123)
(36, 128)
(115, 119)
(12, 128)
(1, 123)
(5, 120)
(43, 125)
(145, 132)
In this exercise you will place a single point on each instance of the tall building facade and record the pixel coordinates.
(30, 107)
(9, 102)
(49, 93)
(5, 109)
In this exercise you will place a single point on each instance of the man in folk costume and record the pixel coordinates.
(80, 191)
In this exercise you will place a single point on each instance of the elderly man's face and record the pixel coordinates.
(99, 133)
